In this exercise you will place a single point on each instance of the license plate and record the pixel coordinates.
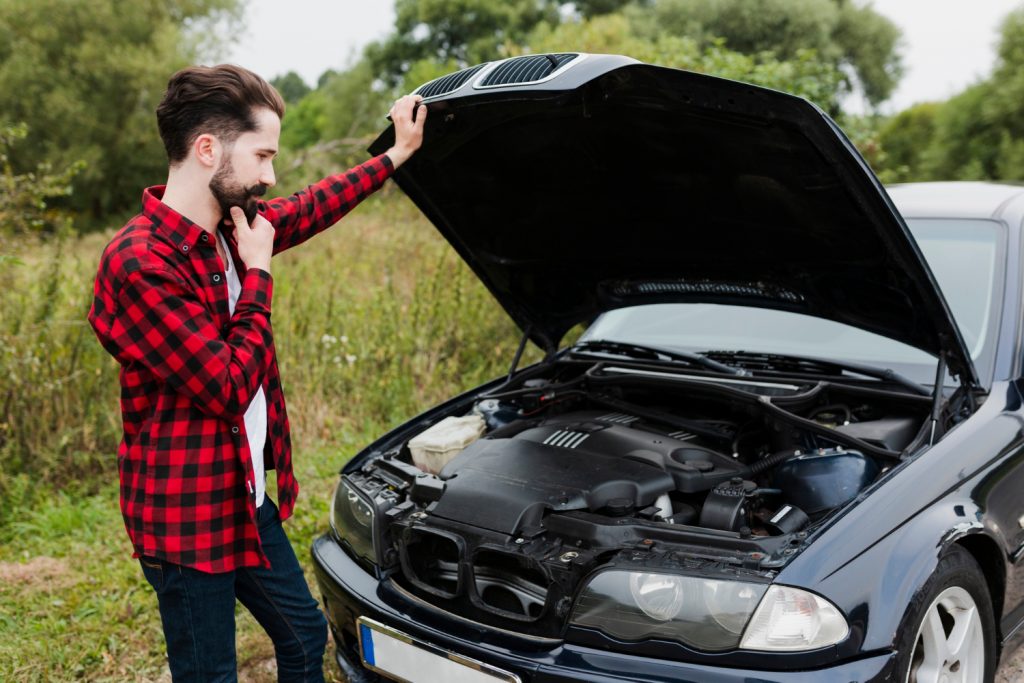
(403, 658)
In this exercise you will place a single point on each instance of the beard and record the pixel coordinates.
(229, 192)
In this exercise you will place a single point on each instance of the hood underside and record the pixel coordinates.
(616, 184)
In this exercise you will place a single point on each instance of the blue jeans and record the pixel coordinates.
(198, 612)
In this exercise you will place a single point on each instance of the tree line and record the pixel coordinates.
(81, 79)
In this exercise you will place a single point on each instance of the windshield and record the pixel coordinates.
(963, 255)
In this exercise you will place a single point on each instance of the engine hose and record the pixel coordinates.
(768, 462)
(512, 428)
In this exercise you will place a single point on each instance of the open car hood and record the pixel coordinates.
(595, 182)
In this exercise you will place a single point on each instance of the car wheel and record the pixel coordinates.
(948, 633)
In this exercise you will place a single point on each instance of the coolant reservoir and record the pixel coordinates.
(432, 449)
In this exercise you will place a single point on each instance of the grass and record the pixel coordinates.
(374, 321)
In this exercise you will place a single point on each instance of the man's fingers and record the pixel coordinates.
(404, 108)
(238, 217)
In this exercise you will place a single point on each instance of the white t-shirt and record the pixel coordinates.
(256, 414)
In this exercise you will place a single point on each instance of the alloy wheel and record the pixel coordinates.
(950, 644)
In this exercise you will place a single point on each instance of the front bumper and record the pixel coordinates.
(350, 592)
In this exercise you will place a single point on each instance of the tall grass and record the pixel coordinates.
(374, 320)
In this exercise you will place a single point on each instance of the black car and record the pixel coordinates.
(778, 452)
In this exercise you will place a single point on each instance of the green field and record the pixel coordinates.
(374, 321)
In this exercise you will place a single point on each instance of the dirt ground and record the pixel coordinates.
(1013, 670)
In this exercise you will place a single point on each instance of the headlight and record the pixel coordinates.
(352, 517)
(708, 614)
(790, 619)
(702, 613)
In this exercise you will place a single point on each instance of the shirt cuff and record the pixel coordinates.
(257, 290)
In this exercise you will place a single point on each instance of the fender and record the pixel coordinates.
(893, 571)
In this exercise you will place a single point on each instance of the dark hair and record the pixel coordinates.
(211, 99)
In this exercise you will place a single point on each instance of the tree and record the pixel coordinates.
(463, 31)
(803, 74)
(906, 139)
(589, 9)
(854, 39)
(25, 198)
(1004, 107)
(88, 75)
(291, 86)
(977, 134)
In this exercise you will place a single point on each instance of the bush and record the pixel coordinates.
(373, 322)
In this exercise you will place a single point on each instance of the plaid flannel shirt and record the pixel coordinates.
(189, 371)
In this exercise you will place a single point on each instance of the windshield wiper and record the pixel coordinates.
(656, 353)
(805, 364)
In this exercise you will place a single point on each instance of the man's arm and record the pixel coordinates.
(161, 324)
(298, 217)
(149, 315)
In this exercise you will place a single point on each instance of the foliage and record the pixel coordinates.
(977, 134)
(463, 31)
(589, 9)
(802, 75)
(24, 206)
(88, 75)
(291, 87)
(374, 323)
(1004, 103)
(305, 121)
(850, 38)
(906, 139)
(333, 125)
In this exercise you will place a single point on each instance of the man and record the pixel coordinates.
(182, 300)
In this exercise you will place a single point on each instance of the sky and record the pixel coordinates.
(947, 44)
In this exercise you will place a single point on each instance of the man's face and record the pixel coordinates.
(246, 169)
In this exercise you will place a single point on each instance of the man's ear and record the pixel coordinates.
(207, 149)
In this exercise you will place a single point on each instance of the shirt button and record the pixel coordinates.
(234, 430)
(204, 237)
(184, 248)
(216, 278)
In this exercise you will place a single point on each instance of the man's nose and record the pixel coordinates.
(267, 177)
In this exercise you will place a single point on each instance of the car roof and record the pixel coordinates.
(960, 199)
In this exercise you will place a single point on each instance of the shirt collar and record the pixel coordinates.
(181, 231)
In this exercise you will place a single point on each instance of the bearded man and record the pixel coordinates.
(182, 300)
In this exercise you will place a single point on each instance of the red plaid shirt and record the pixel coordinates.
(189, 370)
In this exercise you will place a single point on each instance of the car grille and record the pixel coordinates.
(510, 585)
(430, 561)
(449, 83)
(523, 70)
(502, 583)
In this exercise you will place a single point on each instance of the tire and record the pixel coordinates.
(948, 632)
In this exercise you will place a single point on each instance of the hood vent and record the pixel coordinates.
(523, 70)
(566, 438)
(449, 83)
(759, 290)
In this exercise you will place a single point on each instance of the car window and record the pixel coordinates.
(963, 255)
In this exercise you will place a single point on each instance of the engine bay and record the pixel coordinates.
(581, 465)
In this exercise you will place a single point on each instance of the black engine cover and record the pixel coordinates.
(577, 462)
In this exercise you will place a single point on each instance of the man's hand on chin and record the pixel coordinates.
(255, 242)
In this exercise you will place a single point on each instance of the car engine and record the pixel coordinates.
(585, 465)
